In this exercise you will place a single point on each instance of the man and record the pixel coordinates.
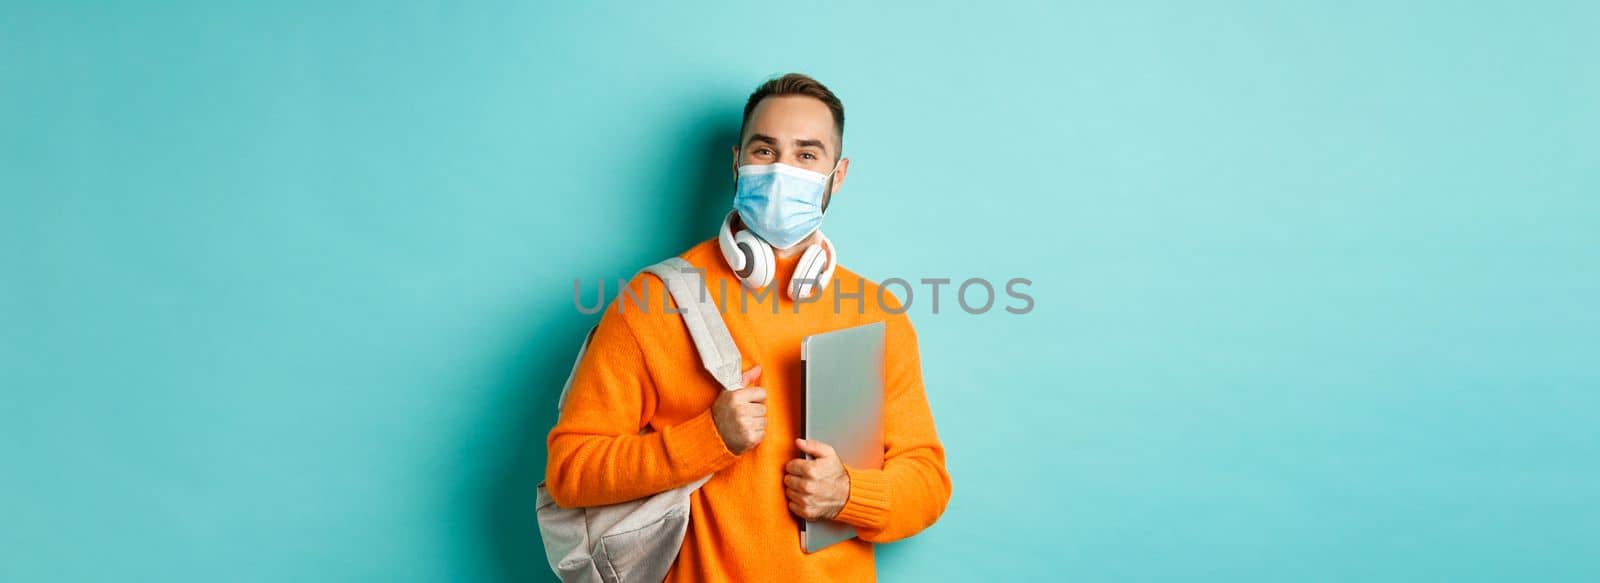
(641, 371)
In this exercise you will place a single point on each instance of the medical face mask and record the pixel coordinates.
(782, 204)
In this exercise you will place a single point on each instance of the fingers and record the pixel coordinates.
(803, 468)
(806, 495)
(800, 485)
(805, 511)
(741, 415)
(751, 376)
(801, 494)
(814, 448)
(750, 406)
(751, 395)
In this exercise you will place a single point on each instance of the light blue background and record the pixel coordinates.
(285, 290)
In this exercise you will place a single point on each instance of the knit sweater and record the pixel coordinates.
(641, 371)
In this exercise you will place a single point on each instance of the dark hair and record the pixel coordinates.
(796, 84)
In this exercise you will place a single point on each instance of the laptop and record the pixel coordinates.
(842, 372)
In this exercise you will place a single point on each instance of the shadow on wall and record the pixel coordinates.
(703, 194)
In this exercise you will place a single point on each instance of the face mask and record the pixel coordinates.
(782, 204)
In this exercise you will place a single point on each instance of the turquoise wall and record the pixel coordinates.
(285, 290)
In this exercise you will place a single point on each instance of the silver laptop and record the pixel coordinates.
(843, 379)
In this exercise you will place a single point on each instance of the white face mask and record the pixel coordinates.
(782, 204)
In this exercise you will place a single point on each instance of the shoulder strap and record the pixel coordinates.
(718, 353)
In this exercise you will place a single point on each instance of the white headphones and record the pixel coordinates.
(752, 261)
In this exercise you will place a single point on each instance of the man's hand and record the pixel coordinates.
(741, 415)
(817, 488)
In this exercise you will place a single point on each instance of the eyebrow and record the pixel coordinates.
(818, 144)
(814, 143)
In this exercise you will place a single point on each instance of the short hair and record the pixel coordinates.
(796, 84)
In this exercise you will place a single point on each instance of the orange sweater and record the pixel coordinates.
(641, 370)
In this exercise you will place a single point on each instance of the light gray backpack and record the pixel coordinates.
(638, 540)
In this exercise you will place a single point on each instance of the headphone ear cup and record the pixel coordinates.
(807, 278)
(758, 264)
(730, 250)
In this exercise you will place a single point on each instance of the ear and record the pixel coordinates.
(838, 176)
(735, 161)
(837, 180)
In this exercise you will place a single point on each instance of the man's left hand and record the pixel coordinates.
(817, 488)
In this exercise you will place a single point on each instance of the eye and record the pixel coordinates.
(763, 152)
(808, 156)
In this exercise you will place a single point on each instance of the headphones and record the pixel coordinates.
(752, 261)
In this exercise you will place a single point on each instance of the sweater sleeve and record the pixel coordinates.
(598, 455)
(912, 489)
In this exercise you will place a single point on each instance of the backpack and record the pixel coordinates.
(638, 540)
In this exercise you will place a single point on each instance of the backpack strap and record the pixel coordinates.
(718, 353)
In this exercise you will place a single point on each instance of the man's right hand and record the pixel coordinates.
(741, 415)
